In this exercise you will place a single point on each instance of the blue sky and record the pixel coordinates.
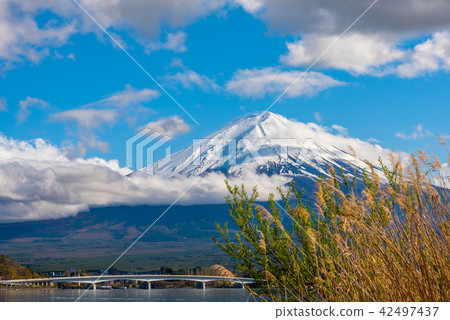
(63, 80)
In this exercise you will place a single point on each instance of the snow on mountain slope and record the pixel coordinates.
(271, 144)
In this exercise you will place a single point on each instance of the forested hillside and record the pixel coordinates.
(10, 269)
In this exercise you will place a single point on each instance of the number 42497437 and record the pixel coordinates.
(409, 311)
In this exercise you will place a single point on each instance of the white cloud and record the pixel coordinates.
(318, 117)
(106, 111)
(3, 104)
(372, 54)
(399, 17)
(93, 116)
(22, 39)
(25, 106)
(252, 6)
(38, 181)
(147, 18)
(38, 149)
(419, 132)
(170, 126)
(257, 83)
(356, 53)
(326, 136)
(87, 118)
(431, 55)
(374, 46)
(127, 98)
(190, 79)
(175, 42)
(57, 55)
(373, 140)
(340, 129)
(90, 140)
(87, 122)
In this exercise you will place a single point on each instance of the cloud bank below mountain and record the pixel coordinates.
(41, 181)
(38, 181)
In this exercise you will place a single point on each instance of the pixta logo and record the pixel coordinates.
(141, 149)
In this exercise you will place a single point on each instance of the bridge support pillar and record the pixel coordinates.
(201, 285)
(94, 286)
(149, 285)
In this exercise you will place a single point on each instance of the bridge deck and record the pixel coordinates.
(144, 278)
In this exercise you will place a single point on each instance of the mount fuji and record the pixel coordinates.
(266, 144)
(269, 144)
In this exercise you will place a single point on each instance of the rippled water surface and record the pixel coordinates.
(157, 295)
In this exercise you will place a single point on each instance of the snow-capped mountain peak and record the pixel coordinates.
(268, 143)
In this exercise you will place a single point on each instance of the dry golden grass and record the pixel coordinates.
(389, 241)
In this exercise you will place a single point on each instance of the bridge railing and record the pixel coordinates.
(141, 278)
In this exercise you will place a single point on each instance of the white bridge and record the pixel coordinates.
(93, 280)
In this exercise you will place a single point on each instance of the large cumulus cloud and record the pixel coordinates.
(38, 181)
(378, 44)
(401, 17)
(25, 37)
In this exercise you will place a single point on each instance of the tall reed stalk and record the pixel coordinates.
(381, 235)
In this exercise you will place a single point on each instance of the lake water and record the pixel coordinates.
(130, 295)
